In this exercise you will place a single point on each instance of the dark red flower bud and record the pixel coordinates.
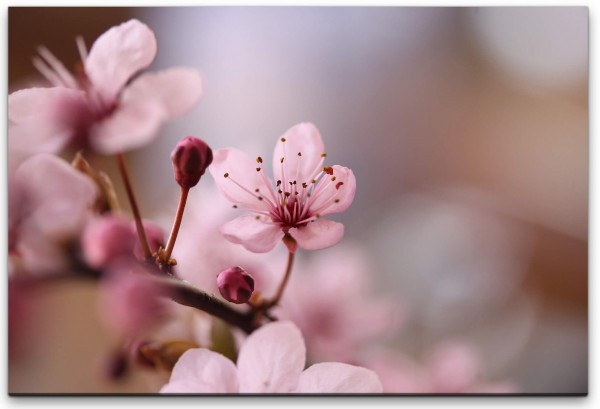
(190, 157)
(235, 285)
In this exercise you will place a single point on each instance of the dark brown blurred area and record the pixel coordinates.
(29, 28)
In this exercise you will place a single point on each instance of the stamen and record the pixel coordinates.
(58, 67)
(281, 160)
(299, 153)
(226, 175)
(283, 139)
(50, 75)
(328, 170)
(338, 185)
(258, 169)
(333, 179)
(259, 159)
(81, 48)
(323, 155)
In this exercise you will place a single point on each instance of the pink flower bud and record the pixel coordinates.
(154, 234)
(190, 157)
(235, 285)
(107, 239)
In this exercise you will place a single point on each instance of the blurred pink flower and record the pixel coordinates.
(51, 202)
(130, 302)
(329, 299)
(305, 191)
(100, 107)
(451, 367)
(271, 360)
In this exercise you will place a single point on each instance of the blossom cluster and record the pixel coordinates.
(315, 328)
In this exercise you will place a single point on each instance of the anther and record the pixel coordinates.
(258, 169)
(336, 201)
(304, 185)
(299, 153)
(260, 198)
(226, 175)
(333, 178)
(338, 184)
(328, 170)
(287, 194)
(281, 160)
(323, 155)
(278, 182)
(282, 139)
(235, 206)
(257, 190)
(257, 217)
(259, 159)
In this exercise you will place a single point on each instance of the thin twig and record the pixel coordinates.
(176, 224)
(134, 207)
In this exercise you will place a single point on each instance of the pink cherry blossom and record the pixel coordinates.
(51, 204)
(304, 191)
(271, 360)
(130, 302)
(450, 367)
(101, 107)
(330, 300)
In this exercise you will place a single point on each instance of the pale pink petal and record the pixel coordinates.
(319, 234)
(130, 127)
(252, 233)
(59, 197)
(272, 359)
(44, 119)
(117, 55)
(337, 195)
(242, 179)
(303, 139)
(454, 367)
(334, 377)
(178, 89)
(200, 370)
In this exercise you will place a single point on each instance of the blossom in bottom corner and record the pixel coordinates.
(271, 360)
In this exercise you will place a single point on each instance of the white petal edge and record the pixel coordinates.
(334, 377)
(303, 138)
(200, 370)
(117, 55)
(320, 234)
(272, 359)
(177, 89)
(255, 235)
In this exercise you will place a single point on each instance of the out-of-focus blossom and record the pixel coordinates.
(304, 191)
(328, 298)
(451, 367)
(190, 158)
(235, 285)
(53, 203)
(271, 360)
(130, 301)
(106, 240)
(100, 107)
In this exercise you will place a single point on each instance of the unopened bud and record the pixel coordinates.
(190, 157)
(107, 239)
(235, 285)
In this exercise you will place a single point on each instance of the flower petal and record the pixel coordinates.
(334, 377)
(60, 197)
(272, 359)
(303, 139)
(44, 119)
(117, 55)
(131, 126)
(319, 234)
(178, 89)
(242, 180)
(337, 195)
(254, 234)
(200, 370)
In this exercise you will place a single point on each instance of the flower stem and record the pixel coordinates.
(176, 223)
(134, 207)
(275, 300)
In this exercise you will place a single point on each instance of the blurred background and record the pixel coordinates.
(467, 130)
